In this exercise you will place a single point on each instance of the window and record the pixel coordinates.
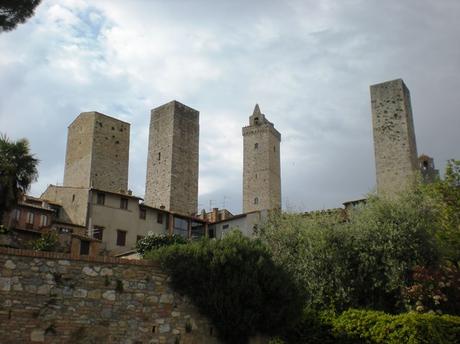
(17, 214)
(274, 148)
(142, 213)
(159, 217)
(73, 198)
(256, 145)
(256, 200)
(225, 227)
(98, 232)
(43, 220)
(181, 227)
(121, 238)
(84, 247)
(100, 198)
(139, 237)
(211, 232)
(30, 218)
(159, 156)
(123, 203)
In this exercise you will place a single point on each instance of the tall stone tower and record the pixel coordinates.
(261, 165)
(394, 137)
(97, 153)
(172, 162)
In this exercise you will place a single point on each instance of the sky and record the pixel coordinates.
(307, 63)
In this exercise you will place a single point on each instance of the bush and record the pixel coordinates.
(155, 241)
(235, 283)
(436, 289)
(413, 328)
(363, 263)
(47, 242)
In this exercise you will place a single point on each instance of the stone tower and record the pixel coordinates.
(261, 165)
(172, 162)
(427, 170)
(394, 137)
(97, 153)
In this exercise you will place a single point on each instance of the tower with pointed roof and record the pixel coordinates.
(261, 164)
(172, 162)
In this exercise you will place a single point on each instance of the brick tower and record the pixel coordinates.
(172, 162)
(261, 165)
(394, 137)
(97, 153)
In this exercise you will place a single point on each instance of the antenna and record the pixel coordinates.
(211, 201)
(224, 203)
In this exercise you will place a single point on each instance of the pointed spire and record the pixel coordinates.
(256, 111)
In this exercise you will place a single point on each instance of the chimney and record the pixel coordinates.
(214, 214)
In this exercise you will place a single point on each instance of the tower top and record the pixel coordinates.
(258, 117)
(256, 111)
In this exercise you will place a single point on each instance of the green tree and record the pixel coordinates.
(445, 199)
(235, 283)
(18, 169)
(14, 12)
(364, 262)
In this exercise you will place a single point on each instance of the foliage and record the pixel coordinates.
(18, 169)
(445, 200)
(235, 283)
(3, 229)
(314, 327)
(436, 289)
(154, 241)
(14, 12)
(362, 263)
(47, 242)
(413, 328)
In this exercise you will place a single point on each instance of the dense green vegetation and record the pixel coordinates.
(18, 169)
(235, 283)
(385, 274)
(155, 241)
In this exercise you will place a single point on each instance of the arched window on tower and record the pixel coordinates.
(256, 145)
(256, 200)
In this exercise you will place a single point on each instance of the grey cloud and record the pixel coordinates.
(308, 64)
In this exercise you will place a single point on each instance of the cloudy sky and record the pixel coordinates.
(308, 63)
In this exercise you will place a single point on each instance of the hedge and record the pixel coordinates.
(411, 328)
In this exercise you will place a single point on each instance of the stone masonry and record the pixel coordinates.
(97, 153)
(261, 165)
(394, 137)
(172, 162)
(49, 298)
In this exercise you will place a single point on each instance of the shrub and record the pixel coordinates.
(154, 241)
(47, 242)
(436, 289)
(412, 328)
(235, 283)
(362, 263)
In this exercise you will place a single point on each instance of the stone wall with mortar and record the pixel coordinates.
(50, 298)
(394, 137)
(172, 162)
(97, 153)
(261, 165)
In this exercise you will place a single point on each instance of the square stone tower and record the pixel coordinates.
(261, 165)
(394, 137)
(97, 153)
(172, 162)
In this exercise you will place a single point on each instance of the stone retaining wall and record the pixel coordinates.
(54, 298)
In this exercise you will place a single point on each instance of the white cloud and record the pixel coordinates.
(307, 63)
